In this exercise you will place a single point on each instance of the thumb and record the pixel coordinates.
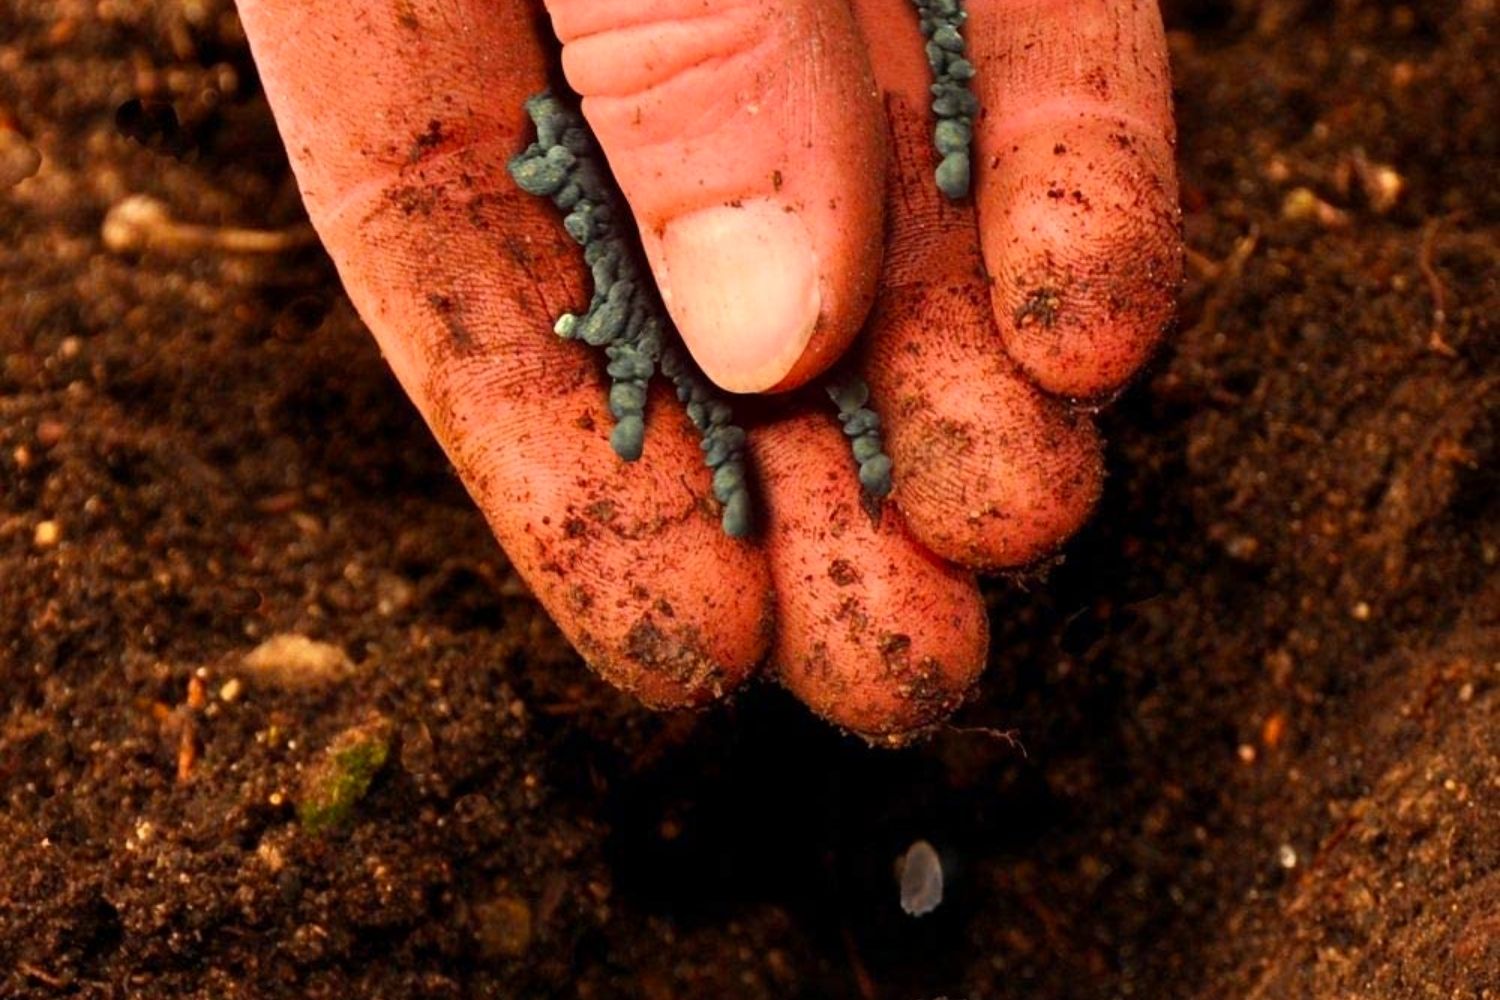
(747, 138)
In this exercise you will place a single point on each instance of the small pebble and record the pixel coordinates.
(503, 927)
(295, 661)
(921, 879)
(48, 534)
(342, 776)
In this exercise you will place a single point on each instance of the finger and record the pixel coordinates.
(989, 471)
(747, 139)
(399, 120)
(1075, 185)
(874, 633)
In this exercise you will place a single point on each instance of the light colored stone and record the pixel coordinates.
(294, 661)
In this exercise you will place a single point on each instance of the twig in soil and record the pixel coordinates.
(1224, 276)
(179, 720)
(187, 750)
(1201, 265)
(1435, 341)
(140, 222)
(46, 978)
(1010, 737)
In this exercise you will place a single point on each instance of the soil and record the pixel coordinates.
(1258, 701)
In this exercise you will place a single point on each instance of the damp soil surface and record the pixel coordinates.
(1258, 699)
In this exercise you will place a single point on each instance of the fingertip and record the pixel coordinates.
(991, 472)
(1080, 232)
(875, 634)
(631, 559)
(998, 491)
(1076, 187)
(667, 663)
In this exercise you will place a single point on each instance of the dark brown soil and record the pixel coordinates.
(1259, 701)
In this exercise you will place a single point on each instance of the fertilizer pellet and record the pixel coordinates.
(625, 317)
(862, 426)
(626, 320)
(953, 102)
(921, 877)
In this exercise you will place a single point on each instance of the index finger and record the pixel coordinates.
(399, 119)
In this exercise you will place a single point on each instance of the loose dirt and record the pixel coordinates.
(1258, 700)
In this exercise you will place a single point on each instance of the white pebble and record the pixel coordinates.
(921, 879)
(47, 534)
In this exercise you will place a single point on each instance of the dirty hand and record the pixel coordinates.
(778, 158)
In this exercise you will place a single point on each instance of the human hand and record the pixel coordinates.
(767, 171)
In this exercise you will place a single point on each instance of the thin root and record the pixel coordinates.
(1435, 341)
(140, 222)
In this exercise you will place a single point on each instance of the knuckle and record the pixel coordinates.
(630, 59)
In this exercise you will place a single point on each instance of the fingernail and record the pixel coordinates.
(741, 283)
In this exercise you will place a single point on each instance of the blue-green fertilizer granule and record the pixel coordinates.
(953, 102)
(625, 317)
(862, 426)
